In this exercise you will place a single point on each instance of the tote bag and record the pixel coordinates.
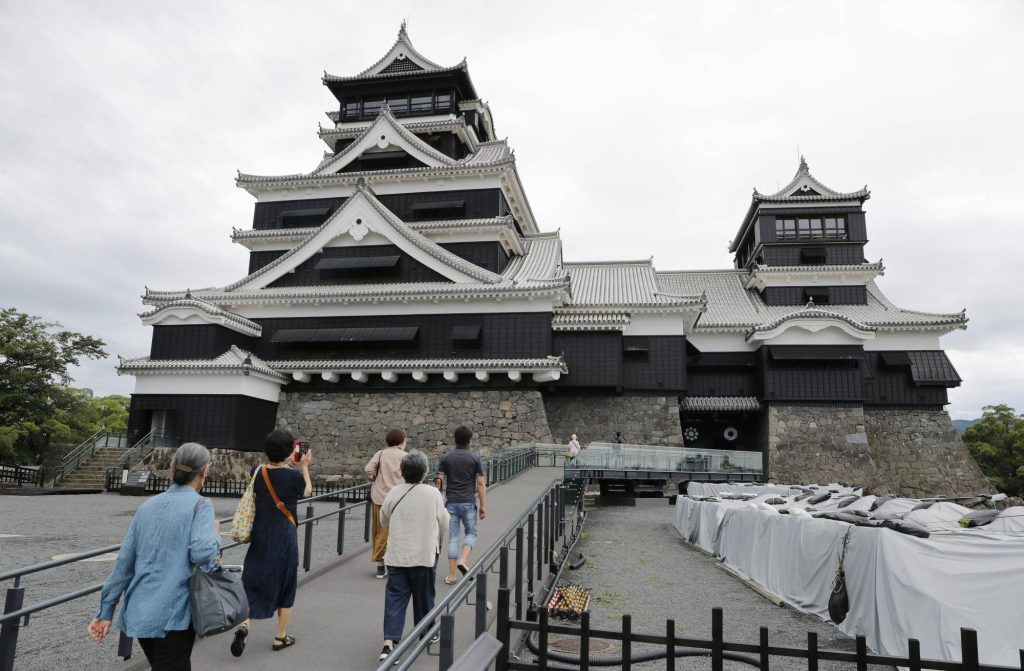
(217, 598)
(245, 513)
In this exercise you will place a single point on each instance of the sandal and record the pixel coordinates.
(462, 569)
(280, 643)
(238, 644)
(449, 581)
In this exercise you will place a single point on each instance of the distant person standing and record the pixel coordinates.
(573, 449)
(462, 474)
(385, 471)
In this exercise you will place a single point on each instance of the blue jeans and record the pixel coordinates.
(466, 513)
(405, 582)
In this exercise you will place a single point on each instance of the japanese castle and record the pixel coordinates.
(409, 262)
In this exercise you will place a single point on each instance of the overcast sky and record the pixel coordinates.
(639, 129)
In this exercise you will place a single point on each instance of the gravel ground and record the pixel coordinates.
(638, 564)
(34, 529)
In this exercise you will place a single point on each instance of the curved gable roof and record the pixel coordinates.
(386, 131)
(361, 214)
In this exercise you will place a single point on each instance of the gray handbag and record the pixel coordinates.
(217, 598)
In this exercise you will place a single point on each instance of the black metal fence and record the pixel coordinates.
(22, 475)
(758, 655)
(527, 558)
(16, 614)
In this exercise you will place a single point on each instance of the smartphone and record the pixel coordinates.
(299, 448)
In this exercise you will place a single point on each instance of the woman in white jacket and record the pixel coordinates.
(415, 515)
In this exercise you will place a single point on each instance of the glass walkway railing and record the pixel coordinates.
(613, 457)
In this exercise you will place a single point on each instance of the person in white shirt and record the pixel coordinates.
(573, 449)
(415, 515)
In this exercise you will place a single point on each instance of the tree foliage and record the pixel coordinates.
(37, 409)
(997, 444)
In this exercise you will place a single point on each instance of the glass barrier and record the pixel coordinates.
(611, 456)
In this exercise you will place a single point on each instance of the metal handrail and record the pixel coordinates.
(501, 468)
(73, 459)
(412, 643)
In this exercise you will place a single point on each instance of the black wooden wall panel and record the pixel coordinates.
(715, 381)
(479, 203)
(217, 421)
(195, 341)
(502, 335)
(662, 369)
(844, 295)
(788, 254)
(408, 269)
(855, 226)
(489, 255)
(594, 358)
(892, 385)
(809, 380)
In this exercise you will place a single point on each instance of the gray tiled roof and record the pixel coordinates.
(720, 403)
(241, 323)
(731, 307)
(426, 365)
(234, 360)
(589, 321)
(622, 283)
(424, 227)
(803, 178)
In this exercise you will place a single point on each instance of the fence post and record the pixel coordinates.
(914, 654)
(481, 603)
(862, 654)
(530, 547)
(812, 651)
(124, 646)
(585, 641)
(670, 645)
(542, 641)
(504, 635)
(307, 549)
(968, 649)
(447, 651)
(716, 639)
(627, 642)
(503, 566)
(341, 525)
(541, 537)
(9, 630)
(765, 665)
(519, 573)
(366, 520)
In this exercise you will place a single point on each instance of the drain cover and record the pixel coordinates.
(572, 644)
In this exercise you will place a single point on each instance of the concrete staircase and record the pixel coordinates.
(92, 474)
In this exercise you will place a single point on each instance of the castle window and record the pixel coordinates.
(827, 228)
(399, 106)
(444, 103)
(421, 103)
(820, 295)
(372, 107)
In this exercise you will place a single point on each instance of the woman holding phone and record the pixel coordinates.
(272, 560)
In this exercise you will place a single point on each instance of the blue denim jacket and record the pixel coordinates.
(155, 563)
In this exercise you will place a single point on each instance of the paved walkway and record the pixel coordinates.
(339, 610)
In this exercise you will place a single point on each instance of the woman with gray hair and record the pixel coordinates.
(170, 533)
(415, 515)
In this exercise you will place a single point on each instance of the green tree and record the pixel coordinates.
(997, 444)
(37, 409)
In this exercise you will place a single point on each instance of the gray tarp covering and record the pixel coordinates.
(899, 586)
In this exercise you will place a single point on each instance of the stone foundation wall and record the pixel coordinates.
(346, 429)
(920, 453)
(900, 452)
(226, 464)
(646, 420)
